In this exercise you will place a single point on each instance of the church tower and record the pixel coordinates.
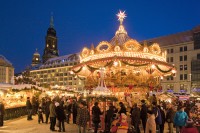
(51, 47)
(36, 59)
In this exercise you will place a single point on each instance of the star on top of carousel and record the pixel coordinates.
(125, 61)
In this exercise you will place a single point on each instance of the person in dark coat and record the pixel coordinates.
(135, 117)
(52, 114)
(60, 115)
(29, 108)
(2, 112)
(40, 116)
(170, 118)
(74, 111)
(163, 119)
(47, 112)
(96, 112)
(157, 114)
(122, 108)
(143, 114)
(109, 117)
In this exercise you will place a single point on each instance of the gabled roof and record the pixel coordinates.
(5, 62)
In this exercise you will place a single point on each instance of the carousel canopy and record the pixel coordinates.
(125, 60)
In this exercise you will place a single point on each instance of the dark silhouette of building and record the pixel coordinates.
(51, 47)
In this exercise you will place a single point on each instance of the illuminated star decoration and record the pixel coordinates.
(121, 16)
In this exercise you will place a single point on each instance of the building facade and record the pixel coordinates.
(6, 71)
(183, 50)
(56, 72)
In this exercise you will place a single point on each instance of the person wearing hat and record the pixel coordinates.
(143, 114)
(2, 112)
(151, 123)
(189, 128)
(180, 119)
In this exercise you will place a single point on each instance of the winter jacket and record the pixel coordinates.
(170, 115)
(151, 124)
(122, 110)
(47, 107)
(96, 112)
(189, 130)
(143, 113)
(135, 115)
(52, 110)
(109, 114)
(82, 116)
(60, 115)
(158, 116)
(180, 118)
(28, 104)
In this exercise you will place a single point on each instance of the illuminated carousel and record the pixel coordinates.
(128, 65)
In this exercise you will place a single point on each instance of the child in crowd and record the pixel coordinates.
(40, 116)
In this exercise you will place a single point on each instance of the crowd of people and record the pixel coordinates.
(119, 118)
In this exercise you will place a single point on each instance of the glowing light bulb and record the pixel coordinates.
(115, 63)
(153, 66)
(173, 71)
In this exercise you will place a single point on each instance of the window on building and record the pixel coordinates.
(185, 67)
(172, 78)
(185, 48)
(185, 76)
(171, 59)
(181, 76)
(181, 58)
(185, 57)
(172, 50)
(198, 56)
(181, 49)
(167, 59)
(168, 51)
(181, 67)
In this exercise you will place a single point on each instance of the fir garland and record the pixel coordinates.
(80, 78)
(77, 70)
(102, 98)
(92, 69)
(135, 65)
(163, 71)
(109, 64)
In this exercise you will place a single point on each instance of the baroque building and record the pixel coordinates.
(183, 50)
(53, 70)
(36, 59)
(6, 71)
(51, 46)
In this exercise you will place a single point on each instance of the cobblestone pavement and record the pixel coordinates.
(21, 125)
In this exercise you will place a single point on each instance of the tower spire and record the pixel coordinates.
(51, 21)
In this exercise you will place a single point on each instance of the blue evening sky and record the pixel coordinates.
(23, 23)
